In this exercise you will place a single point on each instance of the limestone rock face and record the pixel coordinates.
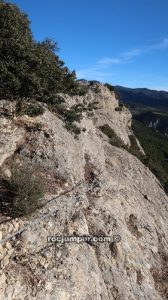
(101, 191)
(10, 134)
(108, 112)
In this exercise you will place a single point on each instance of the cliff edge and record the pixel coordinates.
(94, 189)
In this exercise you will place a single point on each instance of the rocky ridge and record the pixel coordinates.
(104, 191)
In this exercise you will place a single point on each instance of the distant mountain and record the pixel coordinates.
(143, 97)
(157, 121)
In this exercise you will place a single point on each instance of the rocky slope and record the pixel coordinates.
(95, 189)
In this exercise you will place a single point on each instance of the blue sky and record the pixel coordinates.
(123, 42)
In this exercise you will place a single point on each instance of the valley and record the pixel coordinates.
(150, 124)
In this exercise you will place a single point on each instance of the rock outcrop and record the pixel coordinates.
(96, 189)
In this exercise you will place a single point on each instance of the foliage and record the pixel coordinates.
(33, 127)
(97, 89)
(29, 68)
(55, 100)
(28, 190)
(82, 90)
(92, 106)
(34, 110)
(71, 114)
(142, 97)
(93, 82)
(113, 138)
(73, 128)
(110, 87)
(116, 141)
(155, 146)
(120, 107)
(30, 109)
(113, 89)
(156, 119)
(134, 148)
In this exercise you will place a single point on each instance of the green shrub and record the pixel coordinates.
(110, 87)
(117, 94)
(34, 110)
(97, 89)
(113, 138)
(82, 89)
(134, 148)
(116, 141)
(38, 127)
(73, 128)
(93, 82)
(72, 115)
(92, 106)
(69, 116)
(55, 100)
(28, 108)
(80, 107)
(120, 107)
(27, 188)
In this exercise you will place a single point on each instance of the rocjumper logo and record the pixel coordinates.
(62, 239)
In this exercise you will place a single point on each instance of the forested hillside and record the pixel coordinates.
(143, 97)
(155, 146)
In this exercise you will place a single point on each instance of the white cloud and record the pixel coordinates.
(93, 74)
(107, 61)
(161, 46)
(99, 71)
(129, 55)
